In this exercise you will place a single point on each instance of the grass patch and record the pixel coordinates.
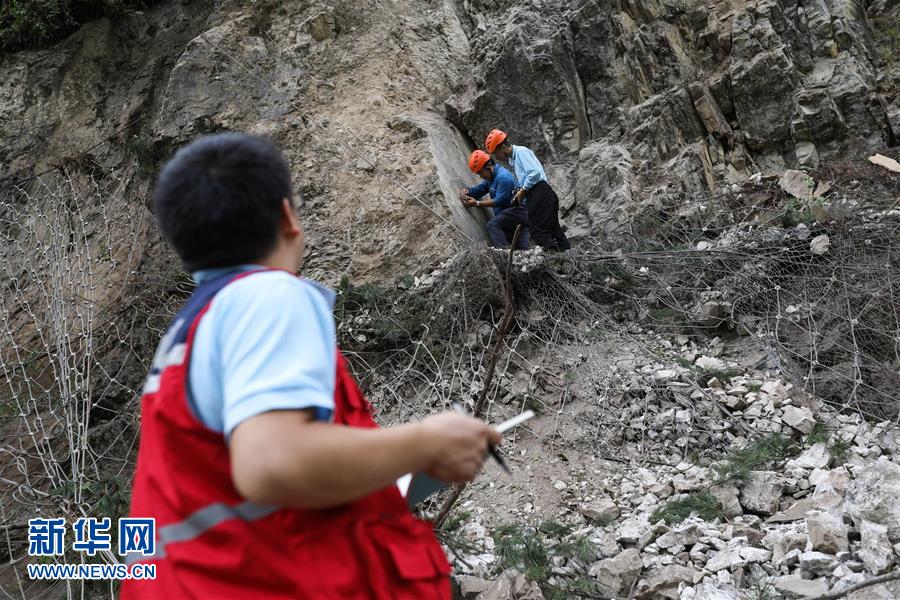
(740, 463)
(704, 504)
(795, 212)
(8, 409)
(580, 549)
(839, 449)
(757, 588)
(456, 520)
(142, 151)
(819, 434)
(522, 549)
(887, 33)
(684, 363)
(532, 403)
(526, 549)
(554, 529)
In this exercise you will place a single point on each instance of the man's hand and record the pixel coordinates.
(520, 194)
(469, 201)
(463, 193)
(458, 445)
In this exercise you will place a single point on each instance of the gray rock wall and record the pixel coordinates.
(706, 93)
(629, 104)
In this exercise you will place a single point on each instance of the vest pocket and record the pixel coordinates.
(415, 560)
(412, 563)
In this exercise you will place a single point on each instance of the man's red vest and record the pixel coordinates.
(212, 543)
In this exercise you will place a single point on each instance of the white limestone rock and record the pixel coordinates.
(663, 582)
(873, 495)
(815, 457)
(729, 558)
(616, 575)
(634, 531)
(805, 588)
(818, 563)
(727, 495)
(875, 551)
(601, 509)
(799, 417)
(761, 493)
(710, 363)
(827, 532)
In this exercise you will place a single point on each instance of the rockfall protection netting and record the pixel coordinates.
(81, 310)
(811, 282)
(813, 279)
(818, 293)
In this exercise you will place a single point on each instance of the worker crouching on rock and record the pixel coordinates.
(541, 201)
(259, 459)
(501, 185)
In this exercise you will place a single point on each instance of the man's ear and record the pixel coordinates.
(290, 224)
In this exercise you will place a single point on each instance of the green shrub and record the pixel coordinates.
(740, 463)
(521, 548)
(839, 449)
(36, 23)
(703, 503)
(456, 520)
(818, 434)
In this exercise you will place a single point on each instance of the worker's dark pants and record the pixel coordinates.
(543, 218)
(503, 226)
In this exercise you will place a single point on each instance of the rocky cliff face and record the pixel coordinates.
(661, 99)
(377, 104)
(741, 303)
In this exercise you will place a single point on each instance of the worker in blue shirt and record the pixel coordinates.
(543, 203)
(502, 187)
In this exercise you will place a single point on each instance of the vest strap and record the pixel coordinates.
(198, 523)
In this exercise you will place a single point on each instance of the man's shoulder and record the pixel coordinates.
(503, 173)
(267, 286)
(523, 151)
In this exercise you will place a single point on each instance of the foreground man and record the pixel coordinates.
(501, 185)
(259, 459)
(543, 203)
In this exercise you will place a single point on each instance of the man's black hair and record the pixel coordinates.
(218, 201)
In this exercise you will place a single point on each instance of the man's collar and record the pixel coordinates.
(203, 275)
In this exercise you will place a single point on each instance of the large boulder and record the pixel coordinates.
(616, 575)
(873, 495)
(876, 551)
(761, 492)
(511, 585)
(663, 582)
(526, 82)
(827, 532)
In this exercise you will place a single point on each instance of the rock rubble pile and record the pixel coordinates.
(800, 501)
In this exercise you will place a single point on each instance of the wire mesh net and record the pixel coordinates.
(76, 320)
(809, 282)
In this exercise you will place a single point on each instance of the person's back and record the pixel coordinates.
(259, 459)
(501, 185)
(501, 189)
(542, 201)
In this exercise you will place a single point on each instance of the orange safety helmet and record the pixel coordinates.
(494, 139)
(478, 159)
